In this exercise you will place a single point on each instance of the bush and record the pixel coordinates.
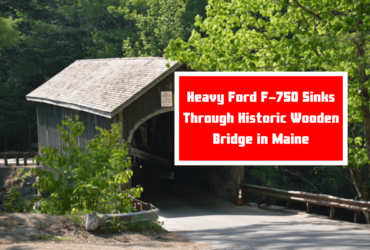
(86, 178)
(14, 201)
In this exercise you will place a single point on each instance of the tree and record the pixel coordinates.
(53, 35)
(8, 32)
(292, 35)
(163, 20)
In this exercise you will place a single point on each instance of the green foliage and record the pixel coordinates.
(53, 34)
(164, 20)
(9, 33)
(241, 35)
(333, 179)
(86, 178)
(267, 176)
(244, 35)
(49, 237)
(330, 180)
(42, 237)
(15, 203)
(58, 238)
(78, 218)
(265, 35)
(137, 224)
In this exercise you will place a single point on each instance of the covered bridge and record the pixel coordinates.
(138, 92)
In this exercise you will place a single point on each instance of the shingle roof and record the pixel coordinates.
(102, 86)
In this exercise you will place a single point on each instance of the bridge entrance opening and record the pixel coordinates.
(152, 151)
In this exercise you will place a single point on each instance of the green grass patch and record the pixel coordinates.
(62, 239)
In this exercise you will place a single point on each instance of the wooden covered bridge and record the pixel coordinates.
(138, 92)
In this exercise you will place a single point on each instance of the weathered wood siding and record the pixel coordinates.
(49, 116)
(147, 104)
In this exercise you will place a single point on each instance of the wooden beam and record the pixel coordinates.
(5, 160)
(149, 157)
(17, 159)
(13, 155)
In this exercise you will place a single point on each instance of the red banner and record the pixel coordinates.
(260, 118)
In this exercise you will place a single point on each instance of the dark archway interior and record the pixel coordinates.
(157, 172)
(156, 136)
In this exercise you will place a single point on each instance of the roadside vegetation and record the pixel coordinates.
(81, 178)
(85, 177)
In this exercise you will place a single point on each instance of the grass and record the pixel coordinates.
(137, 225)
(61, 239)
(48, 237)
(78, 219)
(42, 237)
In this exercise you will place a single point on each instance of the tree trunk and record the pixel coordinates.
(362, 188)
(358, 174)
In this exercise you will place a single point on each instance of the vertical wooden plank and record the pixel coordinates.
(60, 118)
(112, 120)
(289, 204)
(90, 127)
(83, 119)
(357, 217)
(17, 159)
(38, 128)
(58, 122)
(146, 134)
(120, 120)
(46, 140)
(332, 213)
(41, 131)
(25, 155)
(44, 132)
(309, 208)
(53, 122)
(47, 136)
(48, 124)
(5, 159)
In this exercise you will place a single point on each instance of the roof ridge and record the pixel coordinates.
(103, 84)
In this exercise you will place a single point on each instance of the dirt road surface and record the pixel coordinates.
(21, 231)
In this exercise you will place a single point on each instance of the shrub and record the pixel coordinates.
(14, 201)
(85, 178)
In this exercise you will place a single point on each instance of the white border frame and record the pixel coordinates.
(234, 163)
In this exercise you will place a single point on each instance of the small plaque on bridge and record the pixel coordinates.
(166, 98)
